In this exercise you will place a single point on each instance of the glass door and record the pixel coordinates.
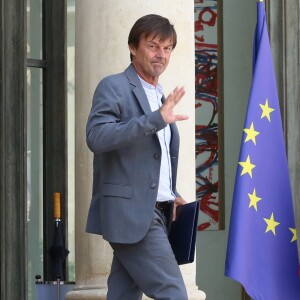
(34, 145)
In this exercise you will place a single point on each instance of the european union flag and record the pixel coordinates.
(262, 248)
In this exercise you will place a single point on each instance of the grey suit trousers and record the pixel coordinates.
(148, 266)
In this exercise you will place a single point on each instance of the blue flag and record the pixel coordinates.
(262, 247)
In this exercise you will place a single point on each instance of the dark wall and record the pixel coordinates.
(12, 150)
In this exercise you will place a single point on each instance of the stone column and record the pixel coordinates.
(102, 29)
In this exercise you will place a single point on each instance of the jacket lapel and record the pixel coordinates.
(144, 103)
(137, 89)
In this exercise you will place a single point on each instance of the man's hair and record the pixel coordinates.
(155, 25)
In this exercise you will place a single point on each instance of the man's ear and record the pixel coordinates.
(132, 50)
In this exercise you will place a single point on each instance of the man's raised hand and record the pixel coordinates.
(172, 100)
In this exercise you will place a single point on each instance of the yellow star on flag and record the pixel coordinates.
(294, 232)
(253, 199)
(251, 134)
(247, 166)
(271, 224)
(266, 110)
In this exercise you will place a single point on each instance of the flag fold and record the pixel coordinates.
(262, 244)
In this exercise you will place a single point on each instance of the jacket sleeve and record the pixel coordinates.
(107, 129)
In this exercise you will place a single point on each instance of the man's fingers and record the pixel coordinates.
(168, 106)
(176, 95)
(181, 117)
(179, 94)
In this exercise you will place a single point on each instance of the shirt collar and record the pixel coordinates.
(149, 86)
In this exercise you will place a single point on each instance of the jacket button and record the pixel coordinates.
(153, 185)
(156, 156)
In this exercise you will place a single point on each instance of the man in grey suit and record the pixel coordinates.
(131, 131)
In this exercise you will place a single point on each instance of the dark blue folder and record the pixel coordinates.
(183, 232)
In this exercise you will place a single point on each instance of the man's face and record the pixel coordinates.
(151, 57)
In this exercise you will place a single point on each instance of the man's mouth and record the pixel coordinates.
(157, 63)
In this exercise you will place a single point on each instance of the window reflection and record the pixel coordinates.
(35, 143)
(34, 177)
(34, 29)
(71, 137)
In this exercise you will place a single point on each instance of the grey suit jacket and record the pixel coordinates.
(121, 132)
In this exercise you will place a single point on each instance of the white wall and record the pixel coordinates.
(102, 29)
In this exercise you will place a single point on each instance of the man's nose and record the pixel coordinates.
(160, 52)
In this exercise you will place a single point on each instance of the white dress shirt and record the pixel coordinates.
(154, 95)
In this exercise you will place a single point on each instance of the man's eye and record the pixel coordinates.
(168, 49)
